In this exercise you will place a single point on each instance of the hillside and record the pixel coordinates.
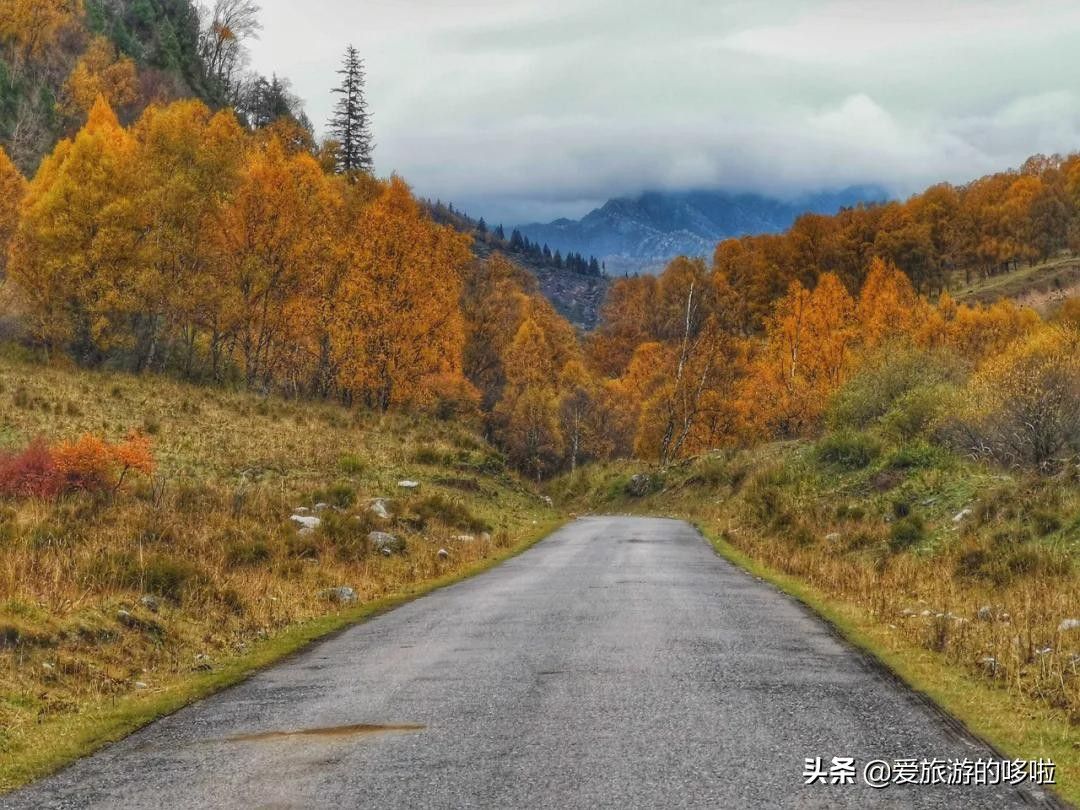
(1043, 286)
(575, 286)
(120, 606)
(641, 233)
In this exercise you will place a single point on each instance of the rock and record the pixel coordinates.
(463, 538)
(548, 501)
(149, 602)
(386, 544)
(485, 537)
(409, 484)
(306, 523)
(961, 515)
(989, 662)
(1044, 651)
(985, 614)
(321, 507)
(202, 663)
(907, 612)
(639, 485)
(342, 595)
(444, 554)
(125, 618)
(47, 666)
(832, 537)
(301, 510)
(140, 685)
(1068, 624)
(380, 507)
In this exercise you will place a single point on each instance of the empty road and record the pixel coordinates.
(619, 663)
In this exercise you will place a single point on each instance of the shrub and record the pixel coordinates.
(891, 379)
(29, 473)
(906, 533)
(448, 512)
(340, 495)
(247, 554)
(351, 465)
(851, 451)
(93, 465)
(1021, 408)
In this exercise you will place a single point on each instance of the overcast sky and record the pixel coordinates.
(531, 110)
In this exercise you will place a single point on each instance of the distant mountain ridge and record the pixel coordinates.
(642, 233)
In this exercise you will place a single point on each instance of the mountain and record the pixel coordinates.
(632, 234)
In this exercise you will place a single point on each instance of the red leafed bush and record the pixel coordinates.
(88, 464)
(29, 473)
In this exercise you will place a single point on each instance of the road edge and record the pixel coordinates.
(133, 712)
(906, 665)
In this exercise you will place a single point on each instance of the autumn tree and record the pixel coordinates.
(12, 190)
(100, 72)
(398, 321)
(76, 249)
(28, 28)
(805, 357)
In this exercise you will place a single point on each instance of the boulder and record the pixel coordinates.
(342, 595)
(639, 485)
(380, 507)
(1068, 624)
(407, 484)
(444, 554)
(306, 523)
(386, 544)
(321, 507)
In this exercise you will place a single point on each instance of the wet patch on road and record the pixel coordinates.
(355, 730)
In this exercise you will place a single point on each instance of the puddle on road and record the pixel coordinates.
(354, 730)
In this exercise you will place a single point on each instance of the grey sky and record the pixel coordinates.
(520, 110)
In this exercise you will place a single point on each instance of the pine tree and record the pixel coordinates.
(499, 232)
(481, 226)
(350, 123)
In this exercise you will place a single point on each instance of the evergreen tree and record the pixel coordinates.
(481, 226)
(517, 243)
(499, 232)
(350, 124)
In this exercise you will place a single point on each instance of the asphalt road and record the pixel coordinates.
(619, 663)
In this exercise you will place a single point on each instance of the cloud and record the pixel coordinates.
(519, 110)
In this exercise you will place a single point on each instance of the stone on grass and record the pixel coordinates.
(407, 484)
(444, 554)
(342, 595)
(639, 485)
(986, 614)
(380, 507)
(1068, 624)
(306, 523)
(321, 507)
(963, 513)
(149, 602)
(385, 543)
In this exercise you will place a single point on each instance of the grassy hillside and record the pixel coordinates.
(1041, 286)
(116, 607)
(962, 577)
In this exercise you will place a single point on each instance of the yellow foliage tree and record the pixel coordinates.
(101, 71)
(79, 238)
(12, 191)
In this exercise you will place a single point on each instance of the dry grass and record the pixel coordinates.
(109, 597)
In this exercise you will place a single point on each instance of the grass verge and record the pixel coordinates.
(987, 712)
(79, 735)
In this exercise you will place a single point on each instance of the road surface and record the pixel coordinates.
(619, 663)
